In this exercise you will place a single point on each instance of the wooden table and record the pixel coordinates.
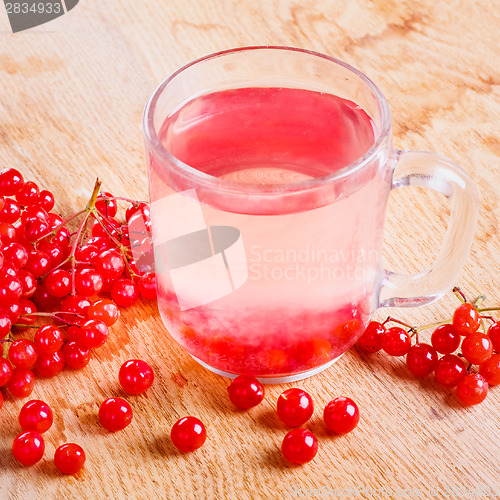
(72, 95)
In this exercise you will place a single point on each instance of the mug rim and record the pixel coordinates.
(154, 144)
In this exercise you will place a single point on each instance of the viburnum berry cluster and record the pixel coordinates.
(462, 352)
(62, 282)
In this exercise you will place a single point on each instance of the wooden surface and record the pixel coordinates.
(72, 95)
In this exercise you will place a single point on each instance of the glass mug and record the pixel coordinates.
(269, 173)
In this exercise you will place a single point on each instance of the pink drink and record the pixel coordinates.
(313, 265)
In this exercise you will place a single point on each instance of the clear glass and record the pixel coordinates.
(269, 262)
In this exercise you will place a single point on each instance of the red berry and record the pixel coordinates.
(86, 254)
(472, 389)
(88, 282)
(11, 289)
(48, 339)
(5, 325)
(36, 415)
(49, 364)
(38, 263)
(28, 308)
(295, 407)
(21, 382)
(115, 414)
(7, 232)
(93, 334)
(58, 283)
(110, 264)
(5, 371)
(75, 308)
(136, 376)
(11, 181)
(104, 310)
(188, 434)
(75, 355)
(46, 200)
(108, 208)
(69, 458)
(371, 340)
(490, 370)
(396, 341)
(10, 212)
(28, 448)
(246, 392)
(23, 353)
(421, 359)
(466, 319)
(341, 415)
(16, 254)
(147, 286)
(28, 195)
(494, 335)
(477, 348)
(124, 292)
(450, 369)
(28, 282)
(35, 229)
(445, 339)
(299, 446)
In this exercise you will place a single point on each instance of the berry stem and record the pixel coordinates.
(121, 198)
(394, 320)
(75, 245)
(458, 292)
(94, 196)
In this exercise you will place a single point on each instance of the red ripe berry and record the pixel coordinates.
(48, 365)
(86, 254)
(102, 229)
(43, 299)
(147, 286)
(28, 308)
(108, 208)
(11, 181)
(445, 339)
(62, 237)
(124, 292)
(466, 319)
(88, 282)
(28, 282)
(7, 232)
(490, 370)
(28, 195)
(58, 283)
(48, 339)
(35, 229)
(69, 458)
(21, 383)
(246, 392)
(421, 359)
(46, 200)
(494, 335)
(477, 348)
(11, 289)
(295, 407)
(75, 355)
(23, 353)
(93, 334)
(110, 264)
(33, 212)
(28, 448)
(16, 254)
(53, 251)
(139, 207)
(75, 308)
(38, 263)
(299, 446)
(36, 415)
(450, 369)
(104, 310)
(371, 340)
(13, 310)
(396, 341)
(341, 415)
(472, 389)
(10, 212)
(5, 371)
(188, 434)
(136, 376)
(5, 325)
(115, 414)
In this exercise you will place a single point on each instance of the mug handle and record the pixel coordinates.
(419, 168)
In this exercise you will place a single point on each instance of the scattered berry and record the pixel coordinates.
(36, 416)
(69, 458)
(341, 415)
(299, 446)
(115, 414)
(246, 392)
(28, 448)
(136, 376)
(188, 434)
(295, 407)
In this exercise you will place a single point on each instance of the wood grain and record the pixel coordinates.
(72, 95)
